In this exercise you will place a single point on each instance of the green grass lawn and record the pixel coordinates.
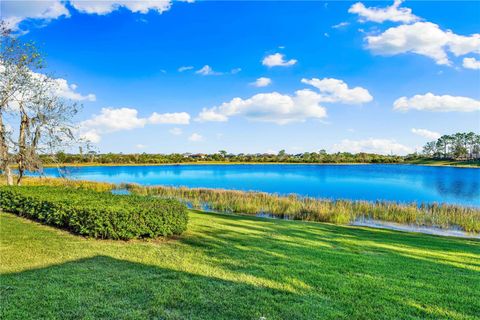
(237, 267)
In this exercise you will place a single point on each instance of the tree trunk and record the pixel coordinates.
(22, 148)
(4, 154)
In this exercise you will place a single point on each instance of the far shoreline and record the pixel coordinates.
(201, 163)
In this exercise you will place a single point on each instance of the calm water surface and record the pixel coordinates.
(402, 183)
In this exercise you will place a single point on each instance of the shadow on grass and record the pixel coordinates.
(322, 271)
(108, 288)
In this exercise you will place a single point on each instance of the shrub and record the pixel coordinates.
(96, 214)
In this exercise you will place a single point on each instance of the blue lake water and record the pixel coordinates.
(402, 183)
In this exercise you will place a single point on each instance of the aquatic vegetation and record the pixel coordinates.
(321, 210)
(96, 214)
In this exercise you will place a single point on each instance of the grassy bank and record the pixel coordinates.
(238, 267)
(448, 163)
(312, 209)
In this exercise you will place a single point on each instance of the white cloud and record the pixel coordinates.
(102, 7)
(112, 120)
(334, 90)
(90, 136)
(390, 13)
(195, 137)
(14, 12)
(169, 118)
(68, 91)
(431, 102)
(277, 60)
(269, 107)
(431, 135)
(206, 70)
(141, 146)
(379, 146)
(185, 68)
(283, 108)
(176, 131)
(424, 38)
(262, 82)
(340, 25)
(471, 63)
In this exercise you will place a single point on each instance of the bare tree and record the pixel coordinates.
(29, 101)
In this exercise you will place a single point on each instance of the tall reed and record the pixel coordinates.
(322, 210)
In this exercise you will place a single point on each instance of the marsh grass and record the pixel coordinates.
(322, 210)
(293, 206)
(63, 182)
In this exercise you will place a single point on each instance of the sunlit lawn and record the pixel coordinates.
(236, 267)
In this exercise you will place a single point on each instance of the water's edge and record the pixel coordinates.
(370, 223)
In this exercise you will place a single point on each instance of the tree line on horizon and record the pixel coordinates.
(458, 146)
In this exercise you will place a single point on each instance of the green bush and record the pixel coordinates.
(96, 214)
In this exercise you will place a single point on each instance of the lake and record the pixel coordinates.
(401, 183)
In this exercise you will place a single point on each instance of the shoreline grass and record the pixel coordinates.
(294, 207)
(320, 210)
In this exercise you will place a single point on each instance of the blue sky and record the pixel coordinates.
(377, 76)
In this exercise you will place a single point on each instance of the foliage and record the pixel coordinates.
(312, 209)
(96, 214)
(144, 158)
(460, 145)
(34, 118)
(238, 267)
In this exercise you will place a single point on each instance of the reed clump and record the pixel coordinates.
(322, 210)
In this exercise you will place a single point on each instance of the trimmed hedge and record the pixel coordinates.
(96, 214)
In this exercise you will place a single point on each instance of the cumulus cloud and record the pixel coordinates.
(286, 108)
(391, 13)
(195, 137)
(262, 82)
(120, 119)
(471, 63)
(141, 146)
(169, 118)
(14, 12)
(206, 70)
(58, 87)
(269, 107)
(423, 38)
(68, 91)
(431, 102)
(379, 146)
(334, 90)
(277, 60)
(107, 6)
(431, 135)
